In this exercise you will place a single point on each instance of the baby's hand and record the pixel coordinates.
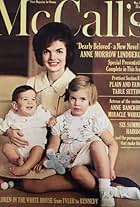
(52, 121)
(37, 168)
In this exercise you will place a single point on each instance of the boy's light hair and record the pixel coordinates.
(83, 82)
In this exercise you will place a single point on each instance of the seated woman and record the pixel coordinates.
(54, 49)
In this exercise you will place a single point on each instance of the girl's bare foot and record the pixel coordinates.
(19, 170)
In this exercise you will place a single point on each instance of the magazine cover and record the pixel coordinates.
(107, 36)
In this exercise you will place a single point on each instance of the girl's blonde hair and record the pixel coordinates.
(83, 82)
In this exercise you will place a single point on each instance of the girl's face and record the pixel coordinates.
(79, 102)
(54, 57)
(26, 103)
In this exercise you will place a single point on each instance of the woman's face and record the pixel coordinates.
(54, 56)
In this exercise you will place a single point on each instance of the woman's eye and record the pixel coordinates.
(44, 52)
(59, 51)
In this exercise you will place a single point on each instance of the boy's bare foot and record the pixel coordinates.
(20, 161)
(19, 170)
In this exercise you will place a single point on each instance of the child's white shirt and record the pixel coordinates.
(81, 128)
(33, 127)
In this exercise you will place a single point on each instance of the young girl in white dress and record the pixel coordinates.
(84, 134)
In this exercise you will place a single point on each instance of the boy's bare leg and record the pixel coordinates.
(34, 157)
(49, 184)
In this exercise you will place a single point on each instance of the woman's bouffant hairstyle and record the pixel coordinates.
(50, 32)
(82, 82)
(20, 89)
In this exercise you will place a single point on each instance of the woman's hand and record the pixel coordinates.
(16, 137)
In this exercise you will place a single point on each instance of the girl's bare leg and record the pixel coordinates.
(84, 177)
(34, 157)
(100, 159)
(101, 162)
